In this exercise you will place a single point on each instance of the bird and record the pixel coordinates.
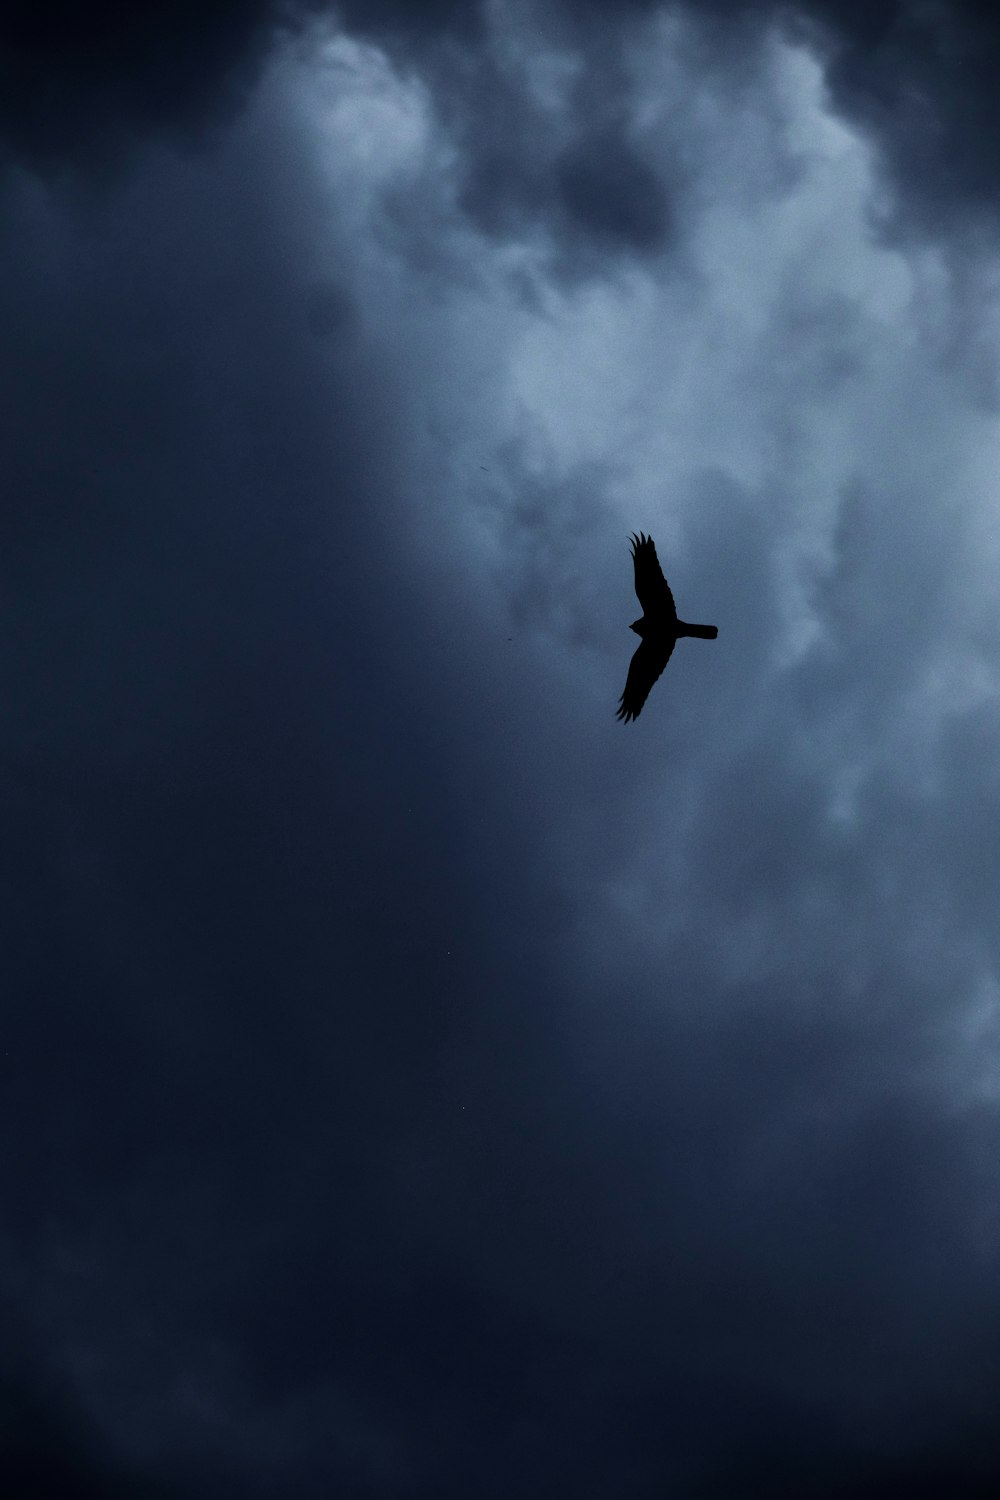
(658, 626)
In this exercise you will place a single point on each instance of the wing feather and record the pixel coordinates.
(644, 668)
(651, 588)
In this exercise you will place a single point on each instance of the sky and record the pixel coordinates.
(413, 1081)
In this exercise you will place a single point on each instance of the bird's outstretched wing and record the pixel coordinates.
(652, 589)
(644, 668)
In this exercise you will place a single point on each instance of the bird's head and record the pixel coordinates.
(639, 626)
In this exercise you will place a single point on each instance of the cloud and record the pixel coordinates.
(47, 1443)
(922, 80)
(80, 82)
(82, 87)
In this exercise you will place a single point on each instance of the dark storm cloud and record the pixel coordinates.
(216, 803)
(923, 80)
(83, 86)
(595, 198)
(75, 79)
(48, 1446)
(920, 81)
(79, 83)
(159, 531)
(612, 194)
(567, 168)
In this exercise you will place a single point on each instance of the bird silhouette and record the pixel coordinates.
(658, 626)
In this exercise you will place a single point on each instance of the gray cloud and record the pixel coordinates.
(80, 86)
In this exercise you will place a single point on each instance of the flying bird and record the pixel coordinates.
(659, 628)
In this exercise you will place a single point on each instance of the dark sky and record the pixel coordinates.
(415, 1083)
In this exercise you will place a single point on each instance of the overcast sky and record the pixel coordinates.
(416, 1084)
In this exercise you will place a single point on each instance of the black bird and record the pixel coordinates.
(659, 627)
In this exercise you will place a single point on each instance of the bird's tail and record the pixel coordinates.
(703, 632)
